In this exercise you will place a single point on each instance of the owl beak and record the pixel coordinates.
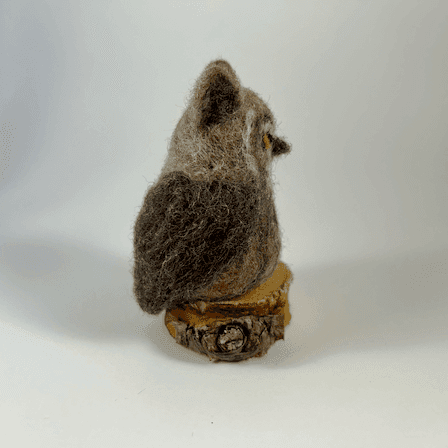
(280, 147)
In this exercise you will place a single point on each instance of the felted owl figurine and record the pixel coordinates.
(207, 229)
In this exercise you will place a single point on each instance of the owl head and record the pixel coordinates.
(226, 131)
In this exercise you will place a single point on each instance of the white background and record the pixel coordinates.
(90, 92)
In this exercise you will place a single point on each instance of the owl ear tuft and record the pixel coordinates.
(219, 100)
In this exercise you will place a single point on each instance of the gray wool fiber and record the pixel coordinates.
(207, 229)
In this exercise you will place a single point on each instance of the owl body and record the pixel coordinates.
(208, 228)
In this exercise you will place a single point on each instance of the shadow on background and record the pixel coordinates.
(66, 287)
(69, 288)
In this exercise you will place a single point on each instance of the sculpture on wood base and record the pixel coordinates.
(236, 329)
(206, 240)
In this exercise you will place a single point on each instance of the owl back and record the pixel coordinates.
(208, 228)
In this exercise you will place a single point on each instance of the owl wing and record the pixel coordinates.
(186, 235)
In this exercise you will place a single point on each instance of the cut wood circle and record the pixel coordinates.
(236, 329)
(231, 338)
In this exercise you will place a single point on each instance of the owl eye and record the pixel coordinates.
(267, 141)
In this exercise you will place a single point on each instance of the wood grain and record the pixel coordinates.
(237, 329)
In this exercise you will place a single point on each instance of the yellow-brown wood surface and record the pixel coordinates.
(270, 298)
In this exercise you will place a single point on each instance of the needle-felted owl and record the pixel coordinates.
(207, 229)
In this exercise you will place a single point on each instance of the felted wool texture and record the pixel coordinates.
(208, 229)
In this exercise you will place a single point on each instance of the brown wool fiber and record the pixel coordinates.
(208, 229)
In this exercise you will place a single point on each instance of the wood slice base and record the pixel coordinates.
(236, 329)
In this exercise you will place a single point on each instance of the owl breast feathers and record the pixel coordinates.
(208, 228)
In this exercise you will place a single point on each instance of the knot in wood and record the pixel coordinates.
(231, 337)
